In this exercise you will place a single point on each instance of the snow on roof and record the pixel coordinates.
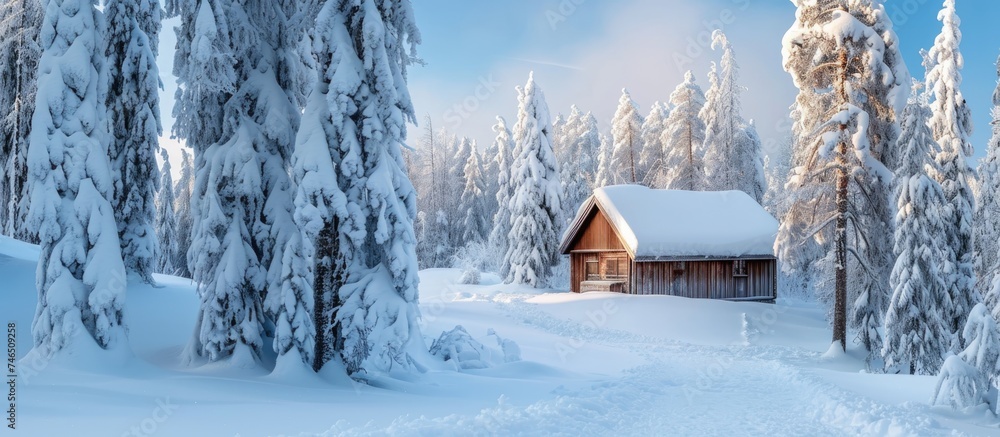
(665, 223)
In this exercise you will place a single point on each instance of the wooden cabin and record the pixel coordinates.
(637, 240)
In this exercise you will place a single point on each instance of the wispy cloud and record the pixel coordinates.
(548, 63)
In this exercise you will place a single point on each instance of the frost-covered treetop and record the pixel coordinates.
(952, 121)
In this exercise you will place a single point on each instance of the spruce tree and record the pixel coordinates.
(951, 123)
(456, 186)
(81, 275)
(475, 226)
(733, 157)
(604, 175)
(183, 190)
(651, 159)
(916, 335)
(986, 222)
(133, 101)
(243, 204)
(626, 131)
(536, 204)
(205, 78)
(500, 234)
(684, 138)
(166, 222)
(580, 167)
(353, 200)
(20, 22)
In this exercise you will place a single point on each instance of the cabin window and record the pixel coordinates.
(615, 268)
(592, 269)
(740, 268)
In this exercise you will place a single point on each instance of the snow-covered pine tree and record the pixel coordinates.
(951, 123)
(295, 336)
(166, 222)
(626, 132)
(205, 78)
(713, 101)
(19, 53)
(500, 234)
(491, 170)
(604, 175)
(651, 159)
(983, 344)
(80, 276)
(841, 210)
(133, 99)
(683, 139)
(354, 201)
(578, 172)
(959, 385)
(777, 165)
(917, 336)
(986, 222)
(560, 144)
(183, 189)
(589, 147)
(243, 206)
(733, 156)
(971, 377)
(475, 227)
(536, 204)
(456, 186)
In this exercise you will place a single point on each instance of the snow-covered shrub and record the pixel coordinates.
(460, 348)
(959, 385)
(511, 351)
(479, 255)
(470, 276)
(983, 338)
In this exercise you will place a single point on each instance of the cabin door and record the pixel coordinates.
(741, 287)
(740, 278)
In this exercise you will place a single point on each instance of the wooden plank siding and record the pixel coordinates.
(597, 235)
(712, 279)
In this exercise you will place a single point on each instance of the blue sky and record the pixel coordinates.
(584, 52)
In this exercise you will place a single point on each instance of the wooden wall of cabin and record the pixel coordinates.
(597, 235)
(578, 266)
(705, 279)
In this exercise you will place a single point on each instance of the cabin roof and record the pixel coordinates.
(672, 223)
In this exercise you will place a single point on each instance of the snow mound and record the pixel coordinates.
(835, 352)
(458, 347)
(959, 385)
(656, 223)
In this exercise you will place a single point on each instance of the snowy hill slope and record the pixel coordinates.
(594, 364)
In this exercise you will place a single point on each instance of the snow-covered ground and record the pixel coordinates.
(594, 364)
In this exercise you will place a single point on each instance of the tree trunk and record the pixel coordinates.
(328, 278)
(840, 246)
(631, 156)
(840, 233)
(691, 168)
